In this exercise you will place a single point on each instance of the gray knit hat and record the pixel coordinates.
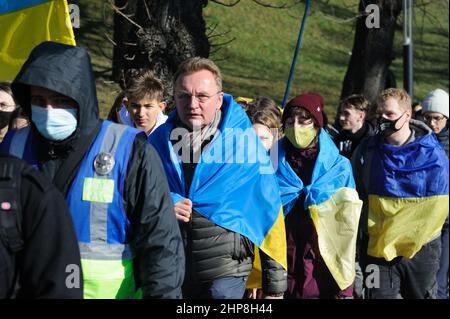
(436, 101)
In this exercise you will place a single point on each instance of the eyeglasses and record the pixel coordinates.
(201, 98)
(435, 118)
(5, 107)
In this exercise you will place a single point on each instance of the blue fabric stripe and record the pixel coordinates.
(418, 169)
(8, 6)
(232, 194)
(331, 172)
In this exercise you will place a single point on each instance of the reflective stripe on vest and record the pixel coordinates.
(103, 228)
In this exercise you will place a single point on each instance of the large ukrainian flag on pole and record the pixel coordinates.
(332, 202)
(234, 183)
(26, 23)
(408, 197)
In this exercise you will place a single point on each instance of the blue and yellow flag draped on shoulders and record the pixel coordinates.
(408, 197)
(332, 202)
(234, 184)
(26, 23)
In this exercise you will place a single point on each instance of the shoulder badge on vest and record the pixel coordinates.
(104, 163)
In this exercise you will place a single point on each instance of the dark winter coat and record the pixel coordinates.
(49, 257)
(156, 239)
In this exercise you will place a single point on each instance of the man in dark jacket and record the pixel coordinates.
(39, 256)
(352, 126)
(112, 179)
(402, 177)
(218, 259)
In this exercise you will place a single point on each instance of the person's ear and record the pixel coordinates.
(220, 100)
(162, 105)
(362, 115)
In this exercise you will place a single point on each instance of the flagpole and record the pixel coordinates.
(297, 48)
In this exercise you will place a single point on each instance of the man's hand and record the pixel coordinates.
(183, 210)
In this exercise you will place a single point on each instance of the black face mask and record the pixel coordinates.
(388, 127)
(5, 117)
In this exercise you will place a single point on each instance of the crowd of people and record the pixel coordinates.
(222, 197)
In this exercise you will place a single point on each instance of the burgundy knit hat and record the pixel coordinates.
(313, 102)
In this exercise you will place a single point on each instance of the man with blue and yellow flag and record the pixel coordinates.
(224, 188)
(402, 176)
(320, 202)
(26, 23)
(111, 177)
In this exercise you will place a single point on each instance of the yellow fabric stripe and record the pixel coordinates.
(22, 30)
(401, 226)
(336, 221)
(255, 277)
(274, 245)
(108, 279)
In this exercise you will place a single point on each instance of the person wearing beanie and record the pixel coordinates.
(310, 171)
(436, 109)
(435, 112)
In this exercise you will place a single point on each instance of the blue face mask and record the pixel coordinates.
(54, 124)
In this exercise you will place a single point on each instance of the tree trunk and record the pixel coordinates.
(172, 30)
(372, 52)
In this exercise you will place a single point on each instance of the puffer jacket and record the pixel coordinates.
(214, 252)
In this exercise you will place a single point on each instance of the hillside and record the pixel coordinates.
(258, 60)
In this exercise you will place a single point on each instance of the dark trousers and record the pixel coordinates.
(404, 278)
(442, 275)
(221, 288)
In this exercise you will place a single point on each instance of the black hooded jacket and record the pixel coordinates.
(156, 239)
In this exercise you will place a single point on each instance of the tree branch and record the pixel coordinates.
(117, 10)
(269, 5)
(226, 4)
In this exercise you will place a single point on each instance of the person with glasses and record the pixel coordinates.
(402, 177)
(436, 111)
(222, 204)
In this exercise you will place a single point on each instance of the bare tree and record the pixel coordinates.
(372, 54)
(157, 35)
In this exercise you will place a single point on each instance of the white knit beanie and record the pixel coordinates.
(436, 101)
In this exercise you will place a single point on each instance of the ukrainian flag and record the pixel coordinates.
(332, 202)
(408, 197)
(234, 184)
(26, 23)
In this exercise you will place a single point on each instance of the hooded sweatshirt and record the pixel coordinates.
(156, 240)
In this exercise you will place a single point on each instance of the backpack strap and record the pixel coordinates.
(10, 209)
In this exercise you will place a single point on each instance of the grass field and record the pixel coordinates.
(258, 60)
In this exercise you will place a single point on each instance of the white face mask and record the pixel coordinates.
(54, 124)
